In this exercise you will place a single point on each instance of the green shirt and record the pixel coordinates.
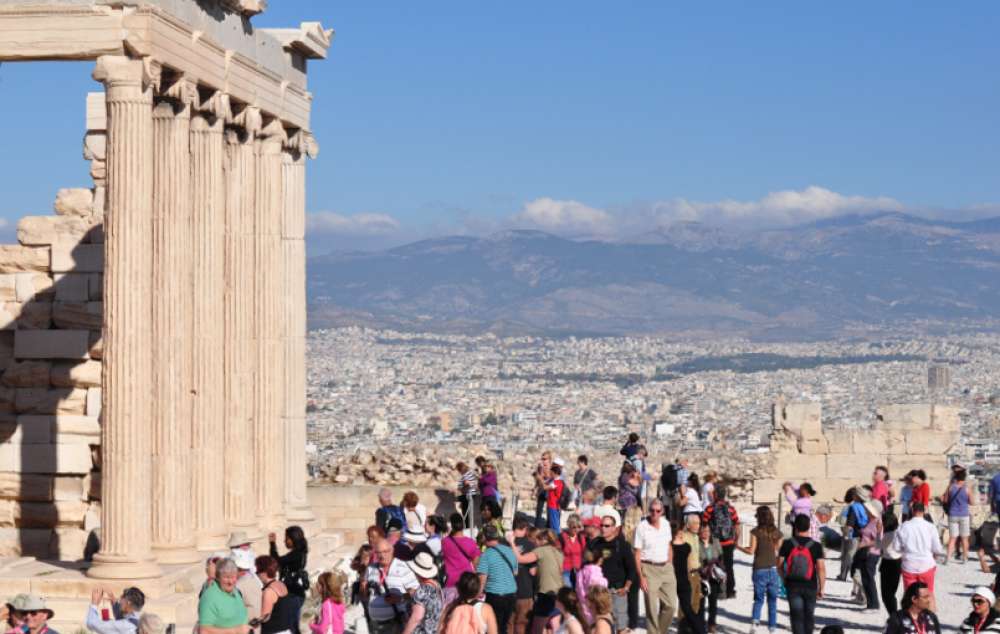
(218, 608)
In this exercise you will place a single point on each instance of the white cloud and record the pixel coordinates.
(564, 216)
(363, 224)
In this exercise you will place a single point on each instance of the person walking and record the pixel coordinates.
(651, 546)
(330, 620)
(765, 541)
(918, 543)
(984, 617)
(292, 568)
(618, 564)
(869, 552)
(724, 522)
(956, 504)
(916, 617)
(680, 556)
(803, 570)
(891, 568)
(497, 570)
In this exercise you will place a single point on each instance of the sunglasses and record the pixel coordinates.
(32, 612)
(978, 601)
(607, 525)
(657, 511)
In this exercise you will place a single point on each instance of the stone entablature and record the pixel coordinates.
(904, 437)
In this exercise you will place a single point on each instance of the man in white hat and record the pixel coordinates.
(36, 615)
(126, 611)
(984, 616)
(248, 584)
(238, 540)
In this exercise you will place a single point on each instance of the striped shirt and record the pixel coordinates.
(499, 564)
(469, 482)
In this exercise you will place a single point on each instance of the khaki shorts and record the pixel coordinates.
(959, 526)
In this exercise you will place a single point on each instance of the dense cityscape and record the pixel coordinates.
(519, 392)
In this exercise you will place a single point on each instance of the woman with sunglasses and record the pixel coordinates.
(984, 617)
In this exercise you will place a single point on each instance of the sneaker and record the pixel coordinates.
(753, 627)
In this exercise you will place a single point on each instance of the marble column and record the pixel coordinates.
(239, 494)
(126, 441)
(294, 334)
(173, 508)
(208, 208)
(269, 454)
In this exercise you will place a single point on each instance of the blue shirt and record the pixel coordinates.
(499, 564)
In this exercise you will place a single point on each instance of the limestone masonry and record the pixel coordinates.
(153, 343)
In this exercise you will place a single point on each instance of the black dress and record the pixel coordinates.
(691, 622)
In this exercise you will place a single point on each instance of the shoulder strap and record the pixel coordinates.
(513, 567)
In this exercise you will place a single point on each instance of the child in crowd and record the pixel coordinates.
(590, 575)
(330, 620)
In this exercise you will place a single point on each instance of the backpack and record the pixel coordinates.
(800, 565)
(464, 619)
(861, 518)
(722, 522)
(565, 497)
(669, 481)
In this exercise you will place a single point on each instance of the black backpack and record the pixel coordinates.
(566, 497)
(722, 522)
(669, 481)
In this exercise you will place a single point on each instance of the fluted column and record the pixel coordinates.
(269, 455)
(173, 502)
(208, 208)
(126, 442)
(294, 334)
(238, 355)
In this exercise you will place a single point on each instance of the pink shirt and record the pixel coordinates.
(331, 619)
(589, 575)
(458, 554)
(880, 492)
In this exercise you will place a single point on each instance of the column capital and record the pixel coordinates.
(250, 119)
(119, 73)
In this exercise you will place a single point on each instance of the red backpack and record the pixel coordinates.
(800, 565)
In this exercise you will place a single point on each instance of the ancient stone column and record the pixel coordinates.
(294, 334)
(239, 352)
(126, 441)
(173, 507)
(269, 454)
(208, 208)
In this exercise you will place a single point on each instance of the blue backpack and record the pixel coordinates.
(860, 515)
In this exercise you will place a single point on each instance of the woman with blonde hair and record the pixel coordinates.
(599, 602)
(330, 589)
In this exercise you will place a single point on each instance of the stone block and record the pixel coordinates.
(27, 374)
(856, 466)
(23, 542)
(95, 146)
(9, 313)
(49, 230)
(78, 315)
(50, 514)
(70, 488)
(839, 441)
(945, 418)
(80, 258)
(799, 466)
(766, 491)
(885, 441)
(814, 446)
(85, 374)
(803, 420)
(19, 259)
(77, 202)
(96, 287)
(51, 344)
(70, 543)
(903, 417)
(94, 485)
(94, 402)
(935, 465)
(99, 171)
(50, 401)
(8, 287)
(72, 287)
(56, 458)
(34, 315)
(65, 429)
(927, 441)
(97, 112)
(26, 486)
(95, 345)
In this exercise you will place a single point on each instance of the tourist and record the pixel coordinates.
(986, 542)
(488, 483)
(490, 515)
(526, 575)
(592, 529)
(583, 479)
(221, 609)
(688, 603)
(618, 565)
(548, 556)
(542, 477)
(33, 614)
(238, 540)
(387, 511)
(689, 498)
(375, 533)
(724, 521)
(460, 555)
(609, 502)
(573, 542)
(364, 558)
(292, 568)
(467, 614)
(497, 570)
(278, 608)
(15, 619)
(571, 617)
(994, 494)
(891, 568)
(150, 624)
(125, 611)
(468, 493)
(330, 589)
(801, 500)
(415, 542)
(428, 600)
(803, 571)
(984, 617)
(586, 507)
(869, 552)
(599, 605)
(765, 541)
(651, 545)
(881, 486)
(918, 543)
(916, 617)
(850, 538)
(248, 585)
(414, 513)
(389, 583)
(435, 528)
(828, 536)
(555, 487)
(639, 462)
(631, 447)
(590, 576)
(671, 479)
(956, 501)
(906, 497)
(394, 535)
(713, 571)
(708, 488)
(629, 486)
(921, 493)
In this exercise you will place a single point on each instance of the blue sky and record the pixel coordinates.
(598, 118)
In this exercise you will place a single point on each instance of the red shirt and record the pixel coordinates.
(922, 494)
(572, 551)
(555, 493)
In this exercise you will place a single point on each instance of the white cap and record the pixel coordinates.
(243, 559)
(560, 462)
(985, 593)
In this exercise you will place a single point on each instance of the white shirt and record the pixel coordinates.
(415, 518)
(399, 578)
(693, 502)
(707, 491)
(434, 543)
(918, 542)
(653, 542)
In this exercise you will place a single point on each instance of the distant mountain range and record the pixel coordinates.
(813, 280)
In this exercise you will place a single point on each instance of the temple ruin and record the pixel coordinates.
(153, 343)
